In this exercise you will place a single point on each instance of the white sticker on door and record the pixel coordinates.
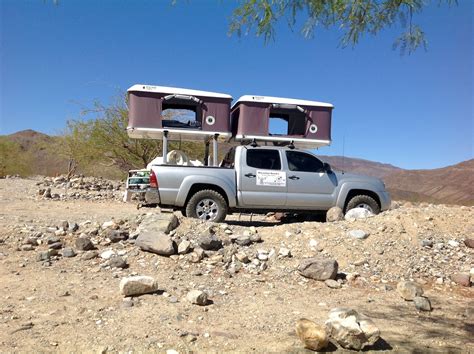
(271, 178)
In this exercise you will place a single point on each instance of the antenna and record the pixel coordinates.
(343, 151)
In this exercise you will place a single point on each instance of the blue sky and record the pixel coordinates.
(411, 111)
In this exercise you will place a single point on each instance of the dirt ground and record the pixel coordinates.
(75, 304)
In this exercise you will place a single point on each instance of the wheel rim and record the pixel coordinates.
(207, 209)
(365, 206)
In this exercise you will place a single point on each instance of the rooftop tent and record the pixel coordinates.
(282, 120)
(182, 113)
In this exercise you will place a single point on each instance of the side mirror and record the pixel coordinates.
(327, 167)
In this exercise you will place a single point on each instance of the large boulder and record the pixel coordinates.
(318, 268)
(351, 329)
(409, 290)
(358, 213)
(156, 242)
(159, 223)
(334, 214)
(138, 285)
(153, 234)
(313, 336)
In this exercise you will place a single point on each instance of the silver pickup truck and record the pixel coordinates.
(262, 179)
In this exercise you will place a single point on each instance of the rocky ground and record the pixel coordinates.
(68, 265)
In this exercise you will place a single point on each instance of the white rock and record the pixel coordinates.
(262, 255)
(351, 329)
(107, 254)
(138, 285)
(358, 213)
(359, 234)
(108, 224)
(453, 243)
(184, 247)
(284, 252)
(313, 243)
(197, 297)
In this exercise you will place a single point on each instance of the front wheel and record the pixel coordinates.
(207, 205)
(365, 202)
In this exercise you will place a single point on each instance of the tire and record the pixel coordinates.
(363, 201)
(207, 205)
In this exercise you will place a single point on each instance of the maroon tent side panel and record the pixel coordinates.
(321, 116)
(219, 108)
(252, 119)
(144, 110)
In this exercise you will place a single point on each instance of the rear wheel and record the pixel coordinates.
(207, 205)
(365, 202)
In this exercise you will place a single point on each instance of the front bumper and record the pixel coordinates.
(152, 196)
(385, 200)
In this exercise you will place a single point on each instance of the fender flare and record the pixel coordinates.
(189, 181)
(348, 186)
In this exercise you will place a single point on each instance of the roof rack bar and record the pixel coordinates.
(183, 97)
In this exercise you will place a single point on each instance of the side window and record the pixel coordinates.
(264, 159)
(299, 161)
(177, 113)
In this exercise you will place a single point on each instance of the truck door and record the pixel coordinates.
(309, 185)
(262, 182)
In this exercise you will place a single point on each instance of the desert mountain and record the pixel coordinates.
(360, 166)
(451, 184)
(38, 148)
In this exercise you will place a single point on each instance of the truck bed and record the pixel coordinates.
(175, 181)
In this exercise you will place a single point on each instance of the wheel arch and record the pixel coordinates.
(354, 192)
(196, 187)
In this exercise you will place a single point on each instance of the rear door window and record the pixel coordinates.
(264, 159)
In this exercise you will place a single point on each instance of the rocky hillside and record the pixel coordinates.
(452, 184)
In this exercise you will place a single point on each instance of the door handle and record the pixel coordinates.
(293, 177)
(250, 175)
